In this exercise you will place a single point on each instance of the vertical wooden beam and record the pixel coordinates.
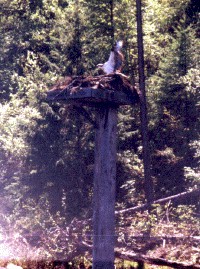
(104, 189)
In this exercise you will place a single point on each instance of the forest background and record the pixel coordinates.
(47, 150)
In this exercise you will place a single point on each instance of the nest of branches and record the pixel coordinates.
(112, 82)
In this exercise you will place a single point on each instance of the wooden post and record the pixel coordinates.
(104, 188)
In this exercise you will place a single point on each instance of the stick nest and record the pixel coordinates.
(113, 82)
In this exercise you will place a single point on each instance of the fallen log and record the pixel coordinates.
(145, 259)
(155, 261)
(173, 238)
(159, 201)
(143, 207)
(82, 246)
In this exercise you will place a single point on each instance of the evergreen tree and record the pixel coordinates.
(178, 117)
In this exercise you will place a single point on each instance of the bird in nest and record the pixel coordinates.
(115, 61)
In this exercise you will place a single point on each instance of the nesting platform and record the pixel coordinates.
(114, 89)
(106, 93)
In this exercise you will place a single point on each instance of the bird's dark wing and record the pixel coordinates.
(119, 58)
(118, 61)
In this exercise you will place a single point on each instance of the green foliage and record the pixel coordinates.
(176, 94)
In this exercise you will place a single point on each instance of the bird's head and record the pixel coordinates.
(119, 45)
(99, 69)
(99, 66)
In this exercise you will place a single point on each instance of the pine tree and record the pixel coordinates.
(178, 117)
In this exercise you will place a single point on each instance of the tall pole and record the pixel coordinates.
(148, 183)
(104, 188)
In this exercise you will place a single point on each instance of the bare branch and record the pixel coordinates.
(159, 201)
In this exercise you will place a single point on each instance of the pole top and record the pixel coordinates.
(112, 89)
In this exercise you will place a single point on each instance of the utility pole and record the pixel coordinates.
(148, 183)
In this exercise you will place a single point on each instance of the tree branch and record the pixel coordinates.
(159, 201)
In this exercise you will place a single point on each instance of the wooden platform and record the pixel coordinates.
(90, 96)
(91, 91)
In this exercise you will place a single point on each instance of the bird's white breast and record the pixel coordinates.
(108, 66)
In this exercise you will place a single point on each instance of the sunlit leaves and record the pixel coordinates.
(16, 119)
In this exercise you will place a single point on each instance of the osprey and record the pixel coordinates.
(115, 61)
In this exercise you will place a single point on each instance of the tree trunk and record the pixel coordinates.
(148, 183)
(104, 189)
(112, 21)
